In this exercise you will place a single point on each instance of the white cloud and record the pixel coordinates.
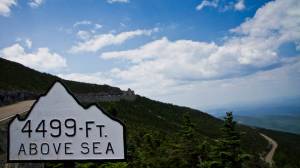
(6, 5)
(97, 78)
(87, 29)
(87, 23)
(83, 22)
(28, 43)
(259, 87)
(207, 3)
(98, 26)
(100, 41)
(278, 19)
(185, 60)
(222, 6)
(83, 35)
(42, 59)
(35, 3)
(240, 5)
(117, 1)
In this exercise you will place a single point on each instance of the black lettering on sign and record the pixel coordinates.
(56, 126)
(22, 149)
(95, 147)
(87, 128)
(84, 145)
(56, 150)
(32, 149)
(27, 128)
(38, 129)
(44, 149)
(70, 124)
(109, 148)
(67, 148)
(100, 129)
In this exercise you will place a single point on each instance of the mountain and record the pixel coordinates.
(152, 126)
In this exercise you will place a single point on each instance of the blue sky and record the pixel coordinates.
(199, 53)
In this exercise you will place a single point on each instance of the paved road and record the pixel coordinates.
(269, 156)
(11, 110)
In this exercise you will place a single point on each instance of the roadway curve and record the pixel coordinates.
(269, 157)
(9, 111)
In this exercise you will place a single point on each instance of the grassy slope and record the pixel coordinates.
(142, 112)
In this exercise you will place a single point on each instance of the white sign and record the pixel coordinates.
(58, 128)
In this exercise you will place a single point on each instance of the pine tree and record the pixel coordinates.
(188, 149)
(229, 153)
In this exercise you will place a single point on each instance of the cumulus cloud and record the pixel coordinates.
(42, 59)
(239, 5)
(35, 3)
(207, 3)
(277, 18)
(192, 60)
(6, 5)
(186, 60)
(253, 47)
(100, 41)
(117, 1)
(162, 56)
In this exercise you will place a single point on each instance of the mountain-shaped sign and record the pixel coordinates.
(58, 127)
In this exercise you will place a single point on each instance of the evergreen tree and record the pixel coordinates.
(186, 152)
(228, 151)
(147, 151)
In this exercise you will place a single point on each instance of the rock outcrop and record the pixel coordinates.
(9, 97)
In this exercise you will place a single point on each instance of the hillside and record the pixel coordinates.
(148, 121)
(20, 83)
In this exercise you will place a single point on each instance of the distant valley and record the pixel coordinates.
(282, 115)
